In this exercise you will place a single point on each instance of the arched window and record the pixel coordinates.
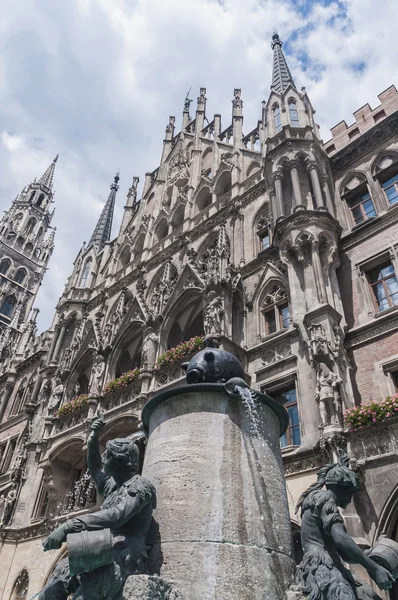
(204, 199)
(294, 120)
(20, 276)
(11, 236)
(85, 273)
(8, 305)
(19, 398)
(32, 196)
(4, 266)
(188, 323)
(30, 226)
(20, 241)
(178, 217)
(40, 233)
(139, 246)
(21, 585)
(275, 309)
(29, 248)
(40, 200)
(277, 118)
(125, 256)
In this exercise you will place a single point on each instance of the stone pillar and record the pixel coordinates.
(316, 186)
(275, 207)
(36, 389)
(318, 274)
(294, 174)
(326, 189)
(9, 387)
(59, 343)
(224, 525)
(278, 176)
(53, 342)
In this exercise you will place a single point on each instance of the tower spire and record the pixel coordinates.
(102, 231)
(48, 176)
(281, 76)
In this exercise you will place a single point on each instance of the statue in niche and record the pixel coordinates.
(56, 396)
(124, 519)
(9, 502)
(326, 544)
(327, 395)
(149, 348)
(213, 315)
(76, 389)
(97, 376)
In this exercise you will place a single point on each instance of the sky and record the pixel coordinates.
(96, 80)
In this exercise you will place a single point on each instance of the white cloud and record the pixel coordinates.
(97, 80)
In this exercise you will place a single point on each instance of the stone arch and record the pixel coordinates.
(161, 230)
(384, 160)
(29, 248)
(8, 306)
(203, 198)
(253, 167)
(139, 245)
(80, 376)
(207, 162)
(20, 275)
(351, 181)
(262, 226)
(40, 200)
(223, 183)
(272, 307)
(31, 224)
(184, 319)
(177, 217)
(21, 586)
(5, 265)
(125, 256)
(126, 354)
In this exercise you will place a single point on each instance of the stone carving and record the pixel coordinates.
(178, 165)
(9, 503)
(213, 265)
(82, 495)
(213, 315)
(213, 366)
(97, 376)
(276, 353)
(327, 396)
(129, 499)
(237, 102)
(163, 289)
(321, 574)
(56, 396)
(149, 348)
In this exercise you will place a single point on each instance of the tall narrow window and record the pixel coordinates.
(20, 276)
(384, 285)
(294, 120)
(85, 273)
(288, 397)
(265, 238)
(42, 505)
(4, 266)
(30, 226)
(361, 207)
(275, 309)
(390, 188)
(20, 591)
(277, 118)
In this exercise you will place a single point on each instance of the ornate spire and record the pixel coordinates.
(102, 231)
(48, 176)
(281, 76)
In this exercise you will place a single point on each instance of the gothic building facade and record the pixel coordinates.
(278, 246)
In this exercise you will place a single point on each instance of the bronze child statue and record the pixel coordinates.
(321, 574)
(128, 502)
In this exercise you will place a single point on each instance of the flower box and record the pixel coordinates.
(120, 383)
(175, 355)
(371, 414)
(75, 405)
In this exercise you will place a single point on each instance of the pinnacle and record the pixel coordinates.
(48, 176)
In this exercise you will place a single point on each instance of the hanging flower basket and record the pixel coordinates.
(175, 355)
(122, 382)
(371, 414)
(75, 405)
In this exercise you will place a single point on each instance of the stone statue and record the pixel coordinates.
(9, 505)
(56, 396)
(327, 395)
(149, 348)
(76, 389)
(326, 544)
(213, 315)
(125, 517)
(97, 376)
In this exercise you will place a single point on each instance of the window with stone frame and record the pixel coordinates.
(264, 229)
(275, 310)
(21, 586)
(4, 266)
(7, 308)
(8, 455)
(19, 399)
(390, 187)
(361, 205)
(384, 285)
(277, 117)
(293, 113)
(42, 503)
(287, 396)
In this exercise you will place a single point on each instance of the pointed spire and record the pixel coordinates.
(281, 76)
(48, 176)
(102, 231)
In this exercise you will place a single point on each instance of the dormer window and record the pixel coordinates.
(277, 118)
(294, 120)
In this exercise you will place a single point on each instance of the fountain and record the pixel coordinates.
(214, 456)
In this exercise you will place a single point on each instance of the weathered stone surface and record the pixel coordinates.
(222, 509)
(149, 587)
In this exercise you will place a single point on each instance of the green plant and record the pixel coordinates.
(175, 355)
(75, 405)
(122, 382)
(371, 414)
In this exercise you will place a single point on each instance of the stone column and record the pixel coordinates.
(278, 177)
(275, 208)
(294, 174)
(53, 342)
(36, 388)
(9, 387)
(224, 525)
(329, 202)
(59, 343)
(316, 186)
(318, 275)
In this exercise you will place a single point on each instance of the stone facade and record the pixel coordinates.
(279, 246)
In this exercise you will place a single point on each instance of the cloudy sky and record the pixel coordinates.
(96, 80)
